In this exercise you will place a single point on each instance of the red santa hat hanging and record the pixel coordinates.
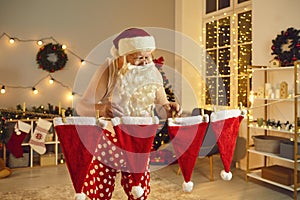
(225, 124)
(187, 135)
(132, 40)
(135, 136)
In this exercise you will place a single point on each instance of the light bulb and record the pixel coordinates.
(83, 62)
(51, 81)
(11, 40)
(3, 89)
(34, 90)
(71, 95)
(64, 46)
(40, 42)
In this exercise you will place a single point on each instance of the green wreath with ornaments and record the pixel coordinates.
(291, 38)
(51, 57)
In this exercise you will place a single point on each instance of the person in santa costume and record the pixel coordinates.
(126, 89)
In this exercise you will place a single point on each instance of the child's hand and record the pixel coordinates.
(173, 109)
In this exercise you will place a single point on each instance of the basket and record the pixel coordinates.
(14, 162)
(47, 159)
(287, 149)
(268, 143)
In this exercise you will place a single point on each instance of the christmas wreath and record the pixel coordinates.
(51, 57)
(291, 38)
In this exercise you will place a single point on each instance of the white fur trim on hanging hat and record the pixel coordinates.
(187, 186)
(226, 114)
(92, 121)
(186, 121)
(134, 120)
(132, 40)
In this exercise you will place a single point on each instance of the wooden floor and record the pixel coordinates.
(236, 189)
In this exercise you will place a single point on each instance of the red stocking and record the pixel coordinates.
(14, 145)
(187, 135)
(225, 125)
(135, 136)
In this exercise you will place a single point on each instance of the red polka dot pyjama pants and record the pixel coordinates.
(107, 162)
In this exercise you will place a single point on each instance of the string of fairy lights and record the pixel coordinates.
(228, 43)
(40, 42)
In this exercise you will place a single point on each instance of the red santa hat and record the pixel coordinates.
(187, 135)
(225, 124)
(132, 40)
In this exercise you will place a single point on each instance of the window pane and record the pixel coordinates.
(211, 6)
(245, 27)
(211, 34)
(211, 91)
(211, 59)
(241, 1)
(224, 91)
(224, 58)
(224, 31)
(223, 4)
(245, 59)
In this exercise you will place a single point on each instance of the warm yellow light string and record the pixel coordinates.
(47, 38)
(43, 39)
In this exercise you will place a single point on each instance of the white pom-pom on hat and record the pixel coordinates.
(187, 186)
(137, 191)
(227, 176)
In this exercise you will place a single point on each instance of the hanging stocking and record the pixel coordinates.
(225, 125)
(14, 145)
(186, 136)
(37, 140)
(135, 137)
(79, 137)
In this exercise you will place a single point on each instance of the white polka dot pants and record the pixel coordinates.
(107, 162)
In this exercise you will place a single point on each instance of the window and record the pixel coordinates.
(228, 43)
(214, 5)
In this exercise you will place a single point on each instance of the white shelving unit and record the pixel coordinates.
(284, 108)
(54, 143)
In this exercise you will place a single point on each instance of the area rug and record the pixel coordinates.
(160, 190)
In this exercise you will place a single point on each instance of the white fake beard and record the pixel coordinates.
(136, 88)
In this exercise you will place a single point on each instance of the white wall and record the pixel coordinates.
(189, 24)
(81, 25)
(270, 17)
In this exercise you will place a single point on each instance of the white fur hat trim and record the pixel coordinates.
(227, 176)
(134, 120)
(80, 121)
(185, 121)
(226, 114)
(187, 187)
(131, 45)
(114, 52)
